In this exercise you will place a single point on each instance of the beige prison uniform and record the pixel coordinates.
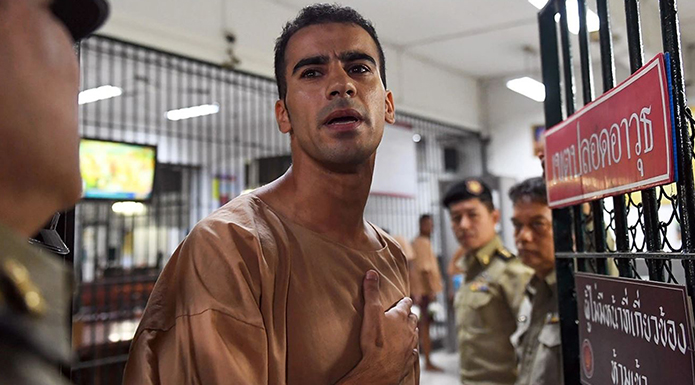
(425, 278)
(35, 293)
(486, 307)
(250, 297)
(537, 339)
(406, 247)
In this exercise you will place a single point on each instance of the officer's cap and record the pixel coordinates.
(468, 189)
(81, 17)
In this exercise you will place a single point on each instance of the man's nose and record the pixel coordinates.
(341, 85)
(524, 235)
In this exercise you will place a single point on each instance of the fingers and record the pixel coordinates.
(372, 328)
(403, 306)
(412, 320)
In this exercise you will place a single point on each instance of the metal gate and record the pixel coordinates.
(644, 233)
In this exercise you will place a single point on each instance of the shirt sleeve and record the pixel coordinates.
(208, 348)
(203, 323)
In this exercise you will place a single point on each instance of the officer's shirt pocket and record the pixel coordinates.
(547, 365)
(479, 311)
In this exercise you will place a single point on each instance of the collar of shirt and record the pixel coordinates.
(484, 254)
(537, 284)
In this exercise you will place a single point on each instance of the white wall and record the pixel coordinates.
(510, 117)
(197, 28)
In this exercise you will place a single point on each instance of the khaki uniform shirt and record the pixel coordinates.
(251, 297)
(537, 339)
(425, 278)
(486, 307)
(34, 303)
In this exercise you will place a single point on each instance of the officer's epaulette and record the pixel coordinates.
(17, 290)
(504, 254)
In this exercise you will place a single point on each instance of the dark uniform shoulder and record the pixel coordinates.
(34, 301)
(504, 254)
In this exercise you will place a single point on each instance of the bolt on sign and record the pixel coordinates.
(633, 332)
(619, 143)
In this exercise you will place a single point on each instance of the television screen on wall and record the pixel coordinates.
(117, 170)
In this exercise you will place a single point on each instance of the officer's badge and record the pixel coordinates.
(474, 187)
(479, 287)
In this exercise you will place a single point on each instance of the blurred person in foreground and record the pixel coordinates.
(425, 283)
(39, 175)
(489, 298)
(537, 338)
(290, 284)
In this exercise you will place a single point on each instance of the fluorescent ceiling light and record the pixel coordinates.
(129, 208)
(528, 87)
(99, 93)
(193, 112)
(592, 20)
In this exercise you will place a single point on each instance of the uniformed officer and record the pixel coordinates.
(39, 175)
(488, 301)
(537, 338)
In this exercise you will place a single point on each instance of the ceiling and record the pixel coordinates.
(490, 38)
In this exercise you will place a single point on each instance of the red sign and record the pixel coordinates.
(619, 143)
(633, 332)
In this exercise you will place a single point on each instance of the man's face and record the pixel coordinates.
(38, 103)
(473, 223)
(426, 226)
(336, 104)
(533, 234)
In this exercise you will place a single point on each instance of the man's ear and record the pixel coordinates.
(390, 110)
(496, 216)
(282, 116)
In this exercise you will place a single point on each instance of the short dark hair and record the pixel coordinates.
(530, 190)
(425, 217)
(321, 14)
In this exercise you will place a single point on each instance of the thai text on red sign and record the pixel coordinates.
(619, 143)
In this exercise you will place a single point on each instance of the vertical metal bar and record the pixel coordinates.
(585, 55)
(622, 241)
(651, 216)
(95, 290)
(562, 222)
(570, 108)
(153, 132)
(670, 32)
(178, 89)
(588, 96)
(568, 70)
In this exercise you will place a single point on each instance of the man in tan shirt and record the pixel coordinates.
(289, 284)
(425, 283)
(489, 298)
(537, 338)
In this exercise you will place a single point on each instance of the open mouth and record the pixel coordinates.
(343, 119)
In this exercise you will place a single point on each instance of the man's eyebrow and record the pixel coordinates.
(313, 60)
(351, 56)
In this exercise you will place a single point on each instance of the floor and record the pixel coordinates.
(447, 361)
